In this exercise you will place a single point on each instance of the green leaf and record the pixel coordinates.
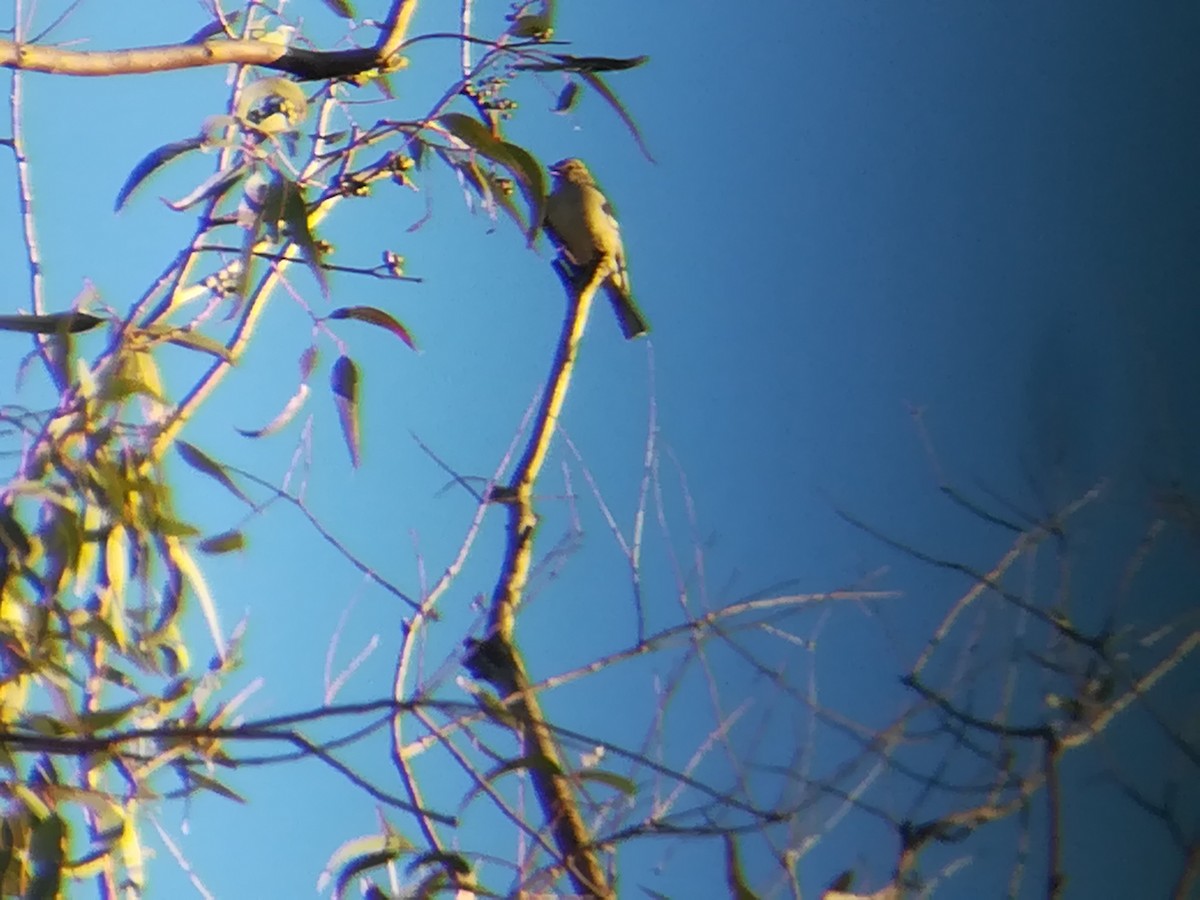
(202, 462)
(353, 852)
(376, 317)
(295, 216)
(344, 382)
(612, 779)
(519, 162)
(212, 187)
(211, 784)
(356, 867)
(152, 161)
(308, 361)
(532, 181)
(468, 129)
(521, 763)
(567, 97)
(90, 723)
(293, 406)
(603, 90)
(734, 876)
(193, 340)
(564, 62)
(225, 542)
(47, 847)
(455, 861)
(340, 8)
(533, 26)
(54, 323)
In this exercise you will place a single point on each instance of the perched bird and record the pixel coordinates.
(581, 223)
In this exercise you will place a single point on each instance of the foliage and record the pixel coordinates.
(112, 704)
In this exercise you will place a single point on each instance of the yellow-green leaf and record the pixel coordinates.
(54, 323)
(152, 161)
(226, 542)
(340, 8)
(603, 90)
(377, 317)
(202, 462)
(344, 382)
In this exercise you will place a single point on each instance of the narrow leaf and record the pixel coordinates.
(567, 97)
(564, 62)
(47, 849)
(344, 382)
(194, 340)
(735, 878)
(377, 317)
(340, 8)
(54, 323)
(212, 187)
(531, 180)
(308, 360)
(469, 130)
(612, 779)
(603, 90)
(202, 462)
(194, 577)
(226, 542)
(153, 160)
(294, 405)
(390, 844)
(211, 784)
(519, 162)
(295, 216)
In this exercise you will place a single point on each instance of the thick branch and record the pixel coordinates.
(307, 65)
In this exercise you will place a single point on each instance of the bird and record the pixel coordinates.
(582, 225)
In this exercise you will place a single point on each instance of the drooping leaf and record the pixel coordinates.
(191, 572)
(377, 317)
(455, 861)
(603, 90)
(293, 406)
(205, 464)
(389, 845)
(567, 97)
(565, 62)
(470, 131)
(226, 542)
(47, 849)
(344, 382)
(308, 361)
(185, 337)
(194, 340)
(519, 162)
(295, 217)
(532, 182)
(213, 187)
(152, 161)
(211, 784)
(340, 8)
(53, 323)
(522, 763)
(612, 779)
(735, 878)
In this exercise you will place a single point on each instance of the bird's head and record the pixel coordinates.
(573, 170)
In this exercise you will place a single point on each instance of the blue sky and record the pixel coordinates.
(985, 211)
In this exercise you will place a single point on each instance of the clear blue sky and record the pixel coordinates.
(984, 210)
